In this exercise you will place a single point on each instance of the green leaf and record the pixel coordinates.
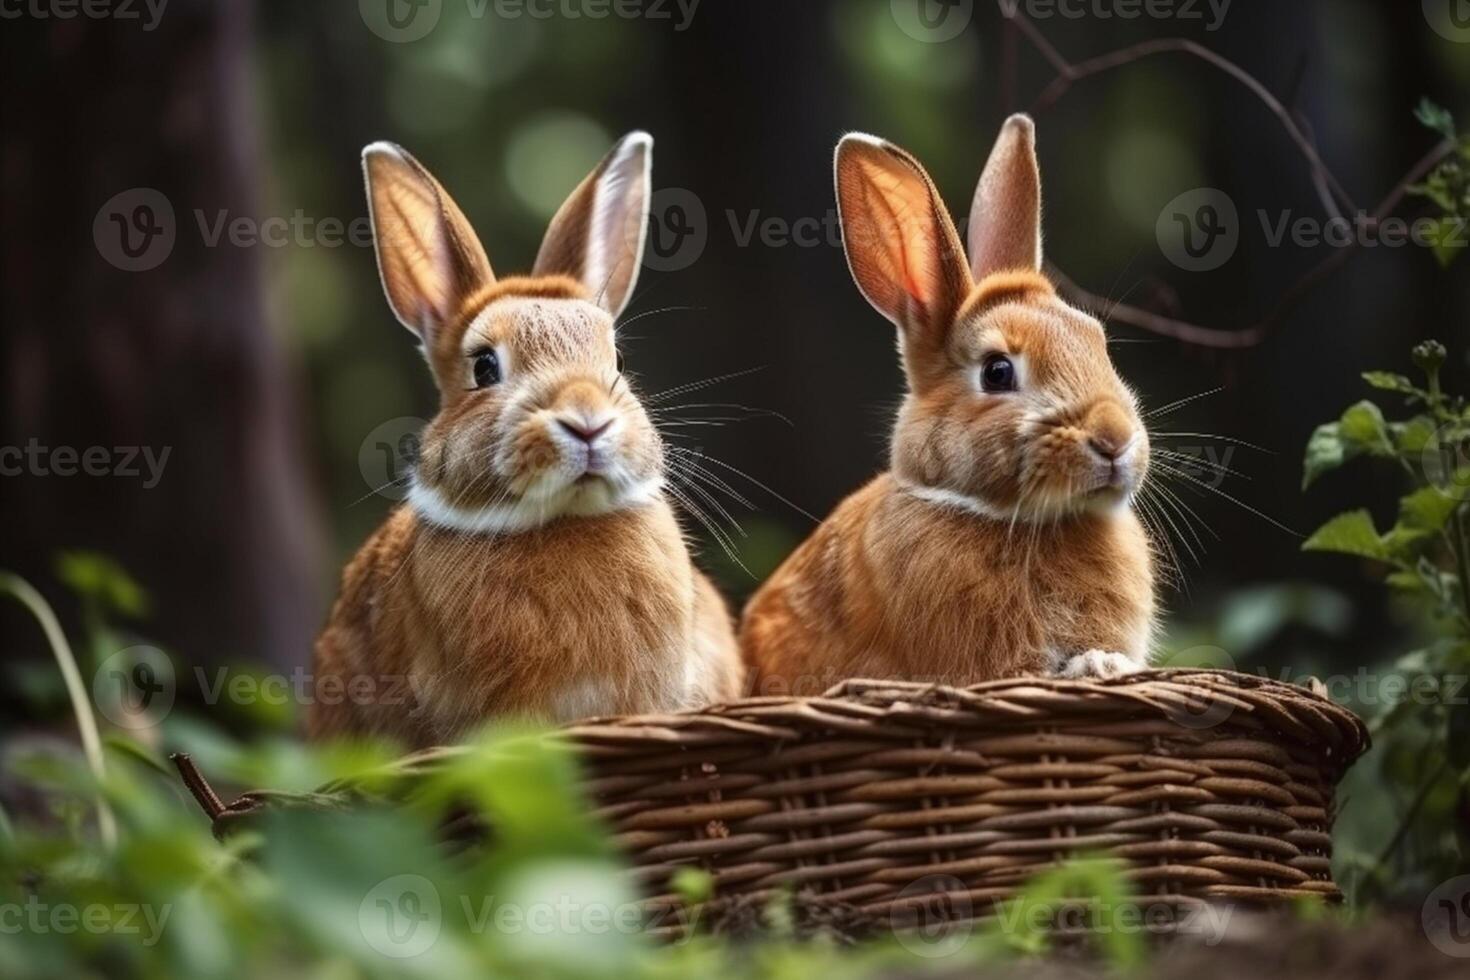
(1411, 583)
(1360, 431)
(1412, 436)
(1446, 238)
(1438, 190)
(96, 576)
(1325, 452)
(1435, 116)
(693, 885)
(1426, 509)
(1362, 426)
(1349, 534)
(1388, 381)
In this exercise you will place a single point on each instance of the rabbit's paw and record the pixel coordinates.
(1098, 663)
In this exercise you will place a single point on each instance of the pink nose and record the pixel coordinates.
(583, 429)
(1109, 430)
(1108, 449)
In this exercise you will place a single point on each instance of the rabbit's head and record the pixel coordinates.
(536, 419)
(1014, 408)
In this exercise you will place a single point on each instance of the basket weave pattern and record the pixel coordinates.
(1214, 786)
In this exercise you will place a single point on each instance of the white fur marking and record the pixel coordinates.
(957, 501)
(1098, 663)
(527, 514)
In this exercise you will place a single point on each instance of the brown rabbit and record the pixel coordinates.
(1002, 541)
(536, 569)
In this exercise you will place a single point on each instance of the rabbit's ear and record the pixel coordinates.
(428, 256)
(1005, 217)
(901, 245)
(597, 235)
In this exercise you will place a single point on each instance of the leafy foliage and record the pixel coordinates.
(1448, 185)
(1424, 556)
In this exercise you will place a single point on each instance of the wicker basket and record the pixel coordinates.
(1212, 786)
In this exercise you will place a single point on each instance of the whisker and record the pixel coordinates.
(725, 544)
(1234, 500)
(1147, 508)
(1175, 405)
(1184, 504)
(693, 469)
(647, 313)
(1164, 502)
(751, 412)
(1210, 435)
(746, 476)
(1188, 459)
(697, 385)
(407, 477)
(708, 498)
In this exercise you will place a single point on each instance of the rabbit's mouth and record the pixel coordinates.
(1112, 486)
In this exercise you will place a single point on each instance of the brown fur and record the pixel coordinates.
(522, 579)
(1002, 541)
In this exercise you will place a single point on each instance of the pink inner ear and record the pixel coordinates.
(910, 282)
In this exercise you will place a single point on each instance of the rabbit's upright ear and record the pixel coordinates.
(1005, 217)
(428, 256)
(901, 245)
(597, 236)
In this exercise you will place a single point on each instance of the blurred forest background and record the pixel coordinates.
(274, 372)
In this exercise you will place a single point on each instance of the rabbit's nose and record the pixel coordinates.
(1107, 447)
(585, 429)
(1109, 432)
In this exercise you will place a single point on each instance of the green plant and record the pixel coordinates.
(1422, 725)
(1447, 186)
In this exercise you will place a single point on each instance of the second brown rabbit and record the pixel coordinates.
(1002, 540)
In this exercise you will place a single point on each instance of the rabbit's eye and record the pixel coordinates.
(998, 374)
(620, 362)
(487, 368)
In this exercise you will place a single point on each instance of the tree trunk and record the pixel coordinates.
(118, 349)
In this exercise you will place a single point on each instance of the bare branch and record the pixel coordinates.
(1335, 199)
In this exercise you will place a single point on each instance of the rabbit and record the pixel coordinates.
(536, 570)
(1002, 540)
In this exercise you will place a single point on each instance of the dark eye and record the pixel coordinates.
(998, 374)
(620, 362)
(487, 369)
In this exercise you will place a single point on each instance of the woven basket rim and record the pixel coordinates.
(1199, 698)
(1228, 702)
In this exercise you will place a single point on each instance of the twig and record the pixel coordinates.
(1335, 199)
(198, 786)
